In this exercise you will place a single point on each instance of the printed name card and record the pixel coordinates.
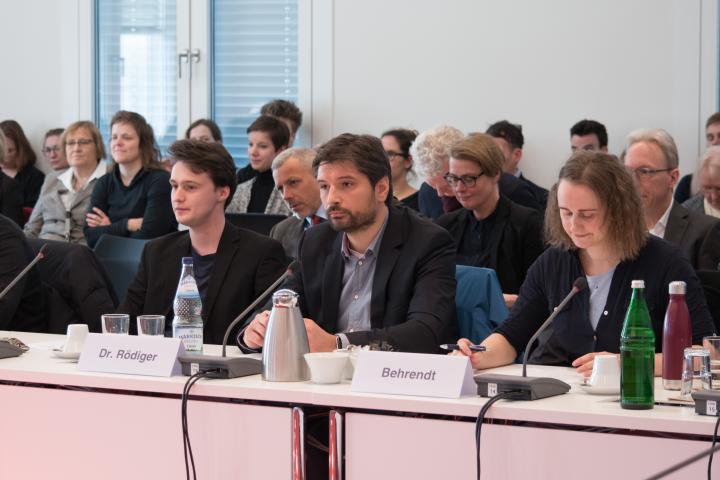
(135, 355)
(413, 374)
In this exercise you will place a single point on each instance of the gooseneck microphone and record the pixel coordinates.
(524, 387)
(223, 366)
(40, 255)
(579, 284)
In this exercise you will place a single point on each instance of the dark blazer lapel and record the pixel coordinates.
(228, 246)
(388, 253)
(331, 285)
(677, 224)
(501, 218)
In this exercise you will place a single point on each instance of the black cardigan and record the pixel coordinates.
(571, 334)
(30, 180)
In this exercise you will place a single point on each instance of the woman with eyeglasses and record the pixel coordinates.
(595, 225)
(19, 163)
(64, 199)
(490, 230)
(707, 200)
(133, 200)
(397, 143)
(53, 149)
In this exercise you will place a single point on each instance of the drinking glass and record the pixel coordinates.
(696, 370)
(116, 323)
(152, 325)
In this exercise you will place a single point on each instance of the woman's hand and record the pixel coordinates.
(584, 365)
(97, 218)
(134, 224)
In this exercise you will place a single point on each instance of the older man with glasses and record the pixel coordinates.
(652, 157)
(490, 231)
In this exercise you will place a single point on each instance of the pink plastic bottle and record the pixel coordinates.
(677, 335)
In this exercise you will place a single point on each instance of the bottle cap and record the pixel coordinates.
(677, 288)
(187, 260)
(637, 284)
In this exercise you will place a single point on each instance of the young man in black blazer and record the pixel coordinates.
(232, 266)
(373, 272)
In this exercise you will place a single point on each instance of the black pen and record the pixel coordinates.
(455, 346)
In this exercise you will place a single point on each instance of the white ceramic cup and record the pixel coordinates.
(75, 337)
(326, 367)
(606, 372)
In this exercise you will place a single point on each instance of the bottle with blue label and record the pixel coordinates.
(187, 323)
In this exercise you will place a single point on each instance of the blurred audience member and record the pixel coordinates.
(267, 136)
(688, 185)
(133, 200)
(397, 143)
(652, 158)
(707, 201)
(64, 199)
(294, 178)
(588, 135)
(19, 162)
(510, 139)
(10, 195)
(53, 150)
(490, 231)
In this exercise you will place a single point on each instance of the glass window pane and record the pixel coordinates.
(137, 64)
(255, 51)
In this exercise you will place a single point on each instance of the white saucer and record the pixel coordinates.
(65, 355)
(600, 390)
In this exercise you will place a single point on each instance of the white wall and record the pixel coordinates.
(417, 63)
(543, 64)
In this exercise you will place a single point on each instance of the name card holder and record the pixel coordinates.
(130, 354)
(418, 374)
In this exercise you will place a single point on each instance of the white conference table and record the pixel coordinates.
(58, 422)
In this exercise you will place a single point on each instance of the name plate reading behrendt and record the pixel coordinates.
(135, 355)
(413, 374)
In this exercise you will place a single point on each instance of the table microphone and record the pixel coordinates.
(232, 367)
(40, 255)
(524, 387)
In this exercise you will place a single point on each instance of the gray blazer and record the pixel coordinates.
(239, 203)
(697, 235)
(288, 232)
(696, 203)
(50, 220)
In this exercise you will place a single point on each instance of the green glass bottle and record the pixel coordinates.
(637, 354)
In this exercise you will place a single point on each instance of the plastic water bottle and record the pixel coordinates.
(188, 324)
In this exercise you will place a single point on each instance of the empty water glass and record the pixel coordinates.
(696, 370)
(712, 344)
(152, 325)
(116, 323)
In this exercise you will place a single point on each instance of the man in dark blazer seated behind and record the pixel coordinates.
(232, 266)
(373, 272)
(651, 155)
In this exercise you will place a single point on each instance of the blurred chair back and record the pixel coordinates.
(710, 280)
(121, 258)
(76, 286)
(479, 302)
(257, 222)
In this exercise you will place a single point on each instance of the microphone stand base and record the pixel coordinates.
(707, 402)
(223, 367)
(522, 388)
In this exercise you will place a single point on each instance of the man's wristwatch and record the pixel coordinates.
(338, 342)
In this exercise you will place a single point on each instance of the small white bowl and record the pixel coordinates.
(326, 367)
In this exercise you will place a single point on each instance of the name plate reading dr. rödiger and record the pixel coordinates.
(136, 355)
(419, 374)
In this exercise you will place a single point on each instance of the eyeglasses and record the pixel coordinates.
(49, 150)
(392, 154)
(467, 180)
(81, 143)
(644, 173)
